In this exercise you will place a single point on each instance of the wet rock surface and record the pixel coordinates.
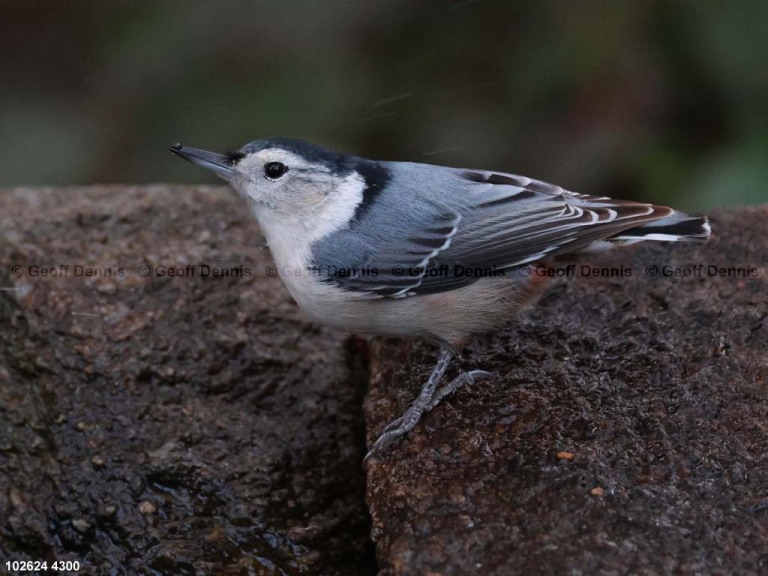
(156, 424)
(169, 425)
(627, 431)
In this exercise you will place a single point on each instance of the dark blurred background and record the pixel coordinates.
(664, 100)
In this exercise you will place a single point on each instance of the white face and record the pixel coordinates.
(284, 182)
(296, 201)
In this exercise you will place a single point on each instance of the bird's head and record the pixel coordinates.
(283, 175)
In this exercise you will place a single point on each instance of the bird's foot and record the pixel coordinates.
(464, 378)
(423, 404)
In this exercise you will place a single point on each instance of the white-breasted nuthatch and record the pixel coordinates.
(408, 249)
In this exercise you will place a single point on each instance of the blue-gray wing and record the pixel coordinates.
(478, 221)
(515, 220)
(385, 265)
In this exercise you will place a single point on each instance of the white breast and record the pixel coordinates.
(291, 236)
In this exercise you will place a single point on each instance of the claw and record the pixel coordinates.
(382, 442)
(394, 424)
(475, 375)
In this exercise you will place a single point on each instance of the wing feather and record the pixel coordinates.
(502, 221)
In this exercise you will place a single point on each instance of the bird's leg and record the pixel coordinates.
(447, 389)
(422, 404)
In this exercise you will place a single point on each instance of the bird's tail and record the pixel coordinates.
(673, 228)
(669, 226)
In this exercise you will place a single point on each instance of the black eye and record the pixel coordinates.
(274, 170)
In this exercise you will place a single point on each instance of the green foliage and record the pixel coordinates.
(662, 101)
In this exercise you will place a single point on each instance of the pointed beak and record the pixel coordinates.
(218, 163)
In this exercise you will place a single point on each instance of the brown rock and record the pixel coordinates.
(147, 508)
(660, 384)
(212, 398)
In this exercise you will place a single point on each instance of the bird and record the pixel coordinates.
(384, 247)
